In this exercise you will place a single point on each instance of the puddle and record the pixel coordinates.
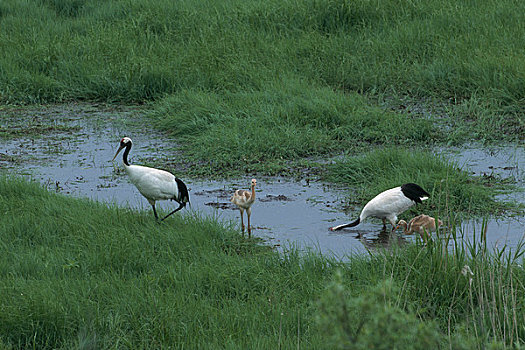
(75, 159)
(506, 162)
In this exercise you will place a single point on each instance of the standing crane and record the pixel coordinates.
(389, 204)
(244, 200)
(154, 184)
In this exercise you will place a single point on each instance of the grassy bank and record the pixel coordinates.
(76, 274)
(463, 55)
(238, 132)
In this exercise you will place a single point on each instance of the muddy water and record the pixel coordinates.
(74, 158)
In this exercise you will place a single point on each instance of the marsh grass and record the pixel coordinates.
(462, 53)
(74, 273)
(460, 286)
(17, 122)
(248, 131)
(495, 294)
(12, 129)
(452, 189)
(486, 286)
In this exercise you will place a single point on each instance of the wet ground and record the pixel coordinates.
(69, 148)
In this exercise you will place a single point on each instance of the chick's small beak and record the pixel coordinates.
(118, 151)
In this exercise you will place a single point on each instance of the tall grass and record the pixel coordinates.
(74, 274)
(140, 51)
(472, 294)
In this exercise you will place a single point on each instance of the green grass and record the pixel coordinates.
(74, 271)
(263, 131)
(469, 56)
(452, 189)
(77, 274)
(463, 291)
(13, 127)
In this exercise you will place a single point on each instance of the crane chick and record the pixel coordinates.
(154, 184)
(422, 224)
(244, 200)
(389, 204)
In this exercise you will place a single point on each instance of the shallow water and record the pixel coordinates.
(76, 158)
(506, 162)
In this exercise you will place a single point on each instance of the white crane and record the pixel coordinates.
(154, 184)
(389, 204)
(244, 200)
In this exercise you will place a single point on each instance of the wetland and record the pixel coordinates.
(326, 103)
(69, 148)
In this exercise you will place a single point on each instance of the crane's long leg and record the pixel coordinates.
(181, 205)
(384, 224)
(155, 212)
(248, 214)
(152, 203)
(241, 210)
(394, 225)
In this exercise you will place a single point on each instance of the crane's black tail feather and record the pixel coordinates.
(184, 196)
(352, 224)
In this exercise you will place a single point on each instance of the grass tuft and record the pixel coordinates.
(241, 130)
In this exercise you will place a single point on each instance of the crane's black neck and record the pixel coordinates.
(126, 152)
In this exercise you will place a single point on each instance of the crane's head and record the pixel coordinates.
(401, 223)
(254, 182)
(124, 142)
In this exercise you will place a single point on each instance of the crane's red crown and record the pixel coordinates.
(125, 140)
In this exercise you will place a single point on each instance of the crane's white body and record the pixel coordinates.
(389, 204)
(154, 184)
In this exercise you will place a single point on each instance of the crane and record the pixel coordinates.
(389, 204)
(422, 224)
(154, 184)
(244, 200)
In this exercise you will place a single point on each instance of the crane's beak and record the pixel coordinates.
(118, 151)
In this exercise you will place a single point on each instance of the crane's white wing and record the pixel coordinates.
(154, 184)
(389, 202)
